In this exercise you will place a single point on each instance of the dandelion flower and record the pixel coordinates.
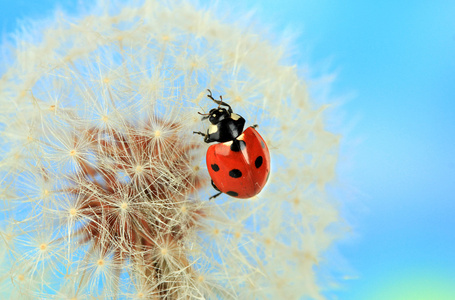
(104, 190)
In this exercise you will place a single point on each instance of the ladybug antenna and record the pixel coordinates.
(219, 102)
(205, 116)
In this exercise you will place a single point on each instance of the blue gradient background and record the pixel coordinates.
(395, 63)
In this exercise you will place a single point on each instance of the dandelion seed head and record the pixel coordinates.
(104, 186)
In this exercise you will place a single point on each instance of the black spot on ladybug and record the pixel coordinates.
(262, 144)
(233, 194)
(237, 145)
(215, 167)
(235, 173)
(258, 162)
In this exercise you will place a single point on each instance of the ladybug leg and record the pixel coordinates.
(206, 136)
(255, 126)
(219, 102)
(216, 195)
(198, 132)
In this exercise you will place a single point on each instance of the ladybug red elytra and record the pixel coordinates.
(239, 164)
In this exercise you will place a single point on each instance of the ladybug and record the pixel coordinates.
(239, 164)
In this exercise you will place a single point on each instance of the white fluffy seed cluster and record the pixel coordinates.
(104, 191)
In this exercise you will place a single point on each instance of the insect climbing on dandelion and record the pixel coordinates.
(239, 165)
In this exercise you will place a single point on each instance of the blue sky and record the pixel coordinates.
(395, 65)
(396, 62)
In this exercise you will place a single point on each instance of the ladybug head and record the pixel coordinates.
(218, 114)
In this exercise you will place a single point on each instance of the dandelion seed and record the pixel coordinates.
(237, 99)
